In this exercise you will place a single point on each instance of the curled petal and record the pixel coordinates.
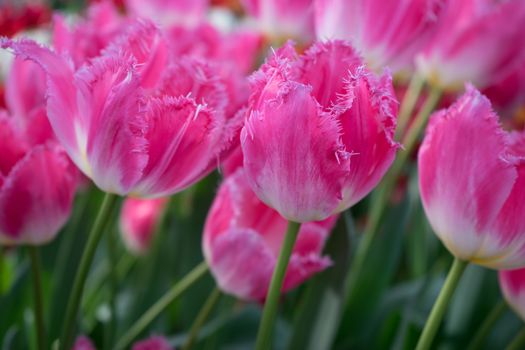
(34, 208)
(300, 172)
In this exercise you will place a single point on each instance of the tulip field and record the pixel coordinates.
(262, 174)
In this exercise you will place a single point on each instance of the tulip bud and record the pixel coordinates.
(472, 183)
(512, 285)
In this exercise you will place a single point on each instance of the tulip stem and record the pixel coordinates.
(408, 104)
(384, 190)
(36, 269)
(203, 315)
(264, 336)
(440, 306)
(518, 342)
(113, 285)
(103, 216)
(161, 304)
(486, 326)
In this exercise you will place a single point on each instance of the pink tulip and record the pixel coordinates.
(283, 18)
(512, 284)
(509, 93)
(242, 238)
(153, 343)
(83, 343)
(37, 186)
(88, 36)
(188, 13)
(478, 41)
(472, 183)
(138, 220)
(133, 121)
(387, 33)
(340, 145)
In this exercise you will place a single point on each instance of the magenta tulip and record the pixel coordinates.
(477, 41)
(139, 219)
(153, 343)
(512, 284)
(388, 33)
(472, 183)
(125, 120)
(242, 238)
(319, 133)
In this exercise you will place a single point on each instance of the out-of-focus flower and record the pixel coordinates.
(242, 238)
(37, 186)
(127, 123)
(472, 183)
(139, 219)
(16, 16)
(83, 343)
(477, 41)
(283, 19)
(509, 93)
(512, 285)
(187, 13)
(88, 36)
(153, 343)
(340, 145)
(387, 33)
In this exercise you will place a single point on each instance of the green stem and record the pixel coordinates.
(440, 306)
(103, 216)
(486, 326)
(203, 315)
(384, 190)
(113, 277)
(264, 336)
(36, 269)
(161, 304)
(518, 342)
(408, 104)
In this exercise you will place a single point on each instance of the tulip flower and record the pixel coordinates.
(32, 208)
(139, 219)
(477, 41)
(127, 123)
(340, 145)
(388, 33)
(282, 18)
(509, 93)
(512, 284)
(242, 237)
(83, 343)
(152, 343)
(472, 181)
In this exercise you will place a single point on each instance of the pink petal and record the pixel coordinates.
(13, 145)
(155, 342)
(138, 221)
(116, 148)
(187, 13)
(33, 209)
(464, 179)
(83, 343)
(512, 284)
(183, 137)
(299, 173)
(146, 44)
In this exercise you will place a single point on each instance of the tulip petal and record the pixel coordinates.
(296, 170)
(33, 209)
(13, 146)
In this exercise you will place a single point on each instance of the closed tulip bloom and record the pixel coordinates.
(283, 18)
(477, 41)
(127, 123)
(37, 186)
(387, 33)
(319, 133)
(242, 238)
(512, 285)
(472, 183)
(139, 219)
